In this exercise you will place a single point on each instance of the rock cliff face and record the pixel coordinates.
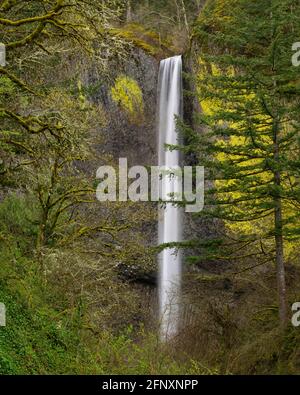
(134, 139)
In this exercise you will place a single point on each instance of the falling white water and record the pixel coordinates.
(170, 216)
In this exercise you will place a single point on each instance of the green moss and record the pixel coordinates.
(147, 40)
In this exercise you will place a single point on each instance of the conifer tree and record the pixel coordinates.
(249, 91)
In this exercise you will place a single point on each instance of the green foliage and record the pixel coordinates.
(250, 122)
(148, 40)
(6, 87)
(172, 19)
(30, 343)
(127, 93)
(147, 356)
(42, 339)
(17, 216)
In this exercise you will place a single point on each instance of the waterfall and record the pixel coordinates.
(170, 216)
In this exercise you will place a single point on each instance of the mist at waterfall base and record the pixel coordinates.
(170, 216)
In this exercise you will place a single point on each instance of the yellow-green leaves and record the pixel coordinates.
(6, 86)
(128, 95)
